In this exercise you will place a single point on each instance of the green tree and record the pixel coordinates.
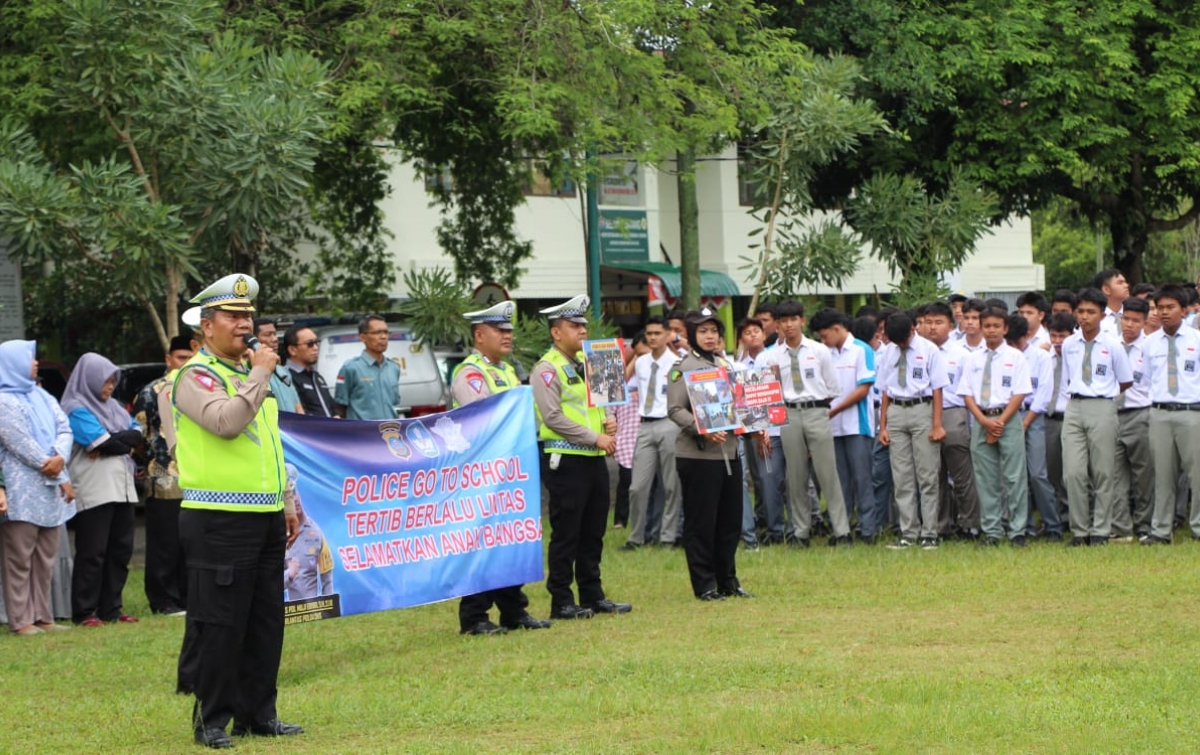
(1034, 99)
(211, 140)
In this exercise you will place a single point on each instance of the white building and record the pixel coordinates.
(554, 222)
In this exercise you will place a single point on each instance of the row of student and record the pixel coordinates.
(975, 422)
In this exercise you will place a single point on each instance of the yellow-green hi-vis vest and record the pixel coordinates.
(245, 473)
(499, 377)
(574, 407)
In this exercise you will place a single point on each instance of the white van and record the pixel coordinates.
(422, 390)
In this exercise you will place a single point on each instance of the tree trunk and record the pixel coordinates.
(689, 228)
(1129, 239)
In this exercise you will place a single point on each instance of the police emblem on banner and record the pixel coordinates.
(420, 438)
(391, 435)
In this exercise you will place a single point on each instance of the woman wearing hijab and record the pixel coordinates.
(710, 473)
(102, 472)
(35, 440)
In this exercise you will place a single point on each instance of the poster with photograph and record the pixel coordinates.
(712, 400)
(604, 365)
(758, 398)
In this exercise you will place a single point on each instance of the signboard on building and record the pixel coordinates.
(621, 186)
(12, 320)
(624, 236)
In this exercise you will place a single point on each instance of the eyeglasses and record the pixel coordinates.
(310, 344)
(377, 332)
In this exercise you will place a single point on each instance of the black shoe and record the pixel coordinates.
(709, 595)
(1097, 540)
(749, 546)
(571, 612)
(736, 592)
(799, 542)
(1153, 540)
(272, 728)
(484, 627)
(1077, 542)
(670, 544)
(526, 622)
(213, 737)
(929, 543)
(769, 540)
(607, 606)
(630, 546)
(869, 539)
(840, 540)
(988, 542)
(1018, 541)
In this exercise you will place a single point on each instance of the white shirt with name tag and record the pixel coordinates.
(819, 378)
(642, 369)
(1109, 366)
(924, 371)
(1187, 366)
(1009, 373)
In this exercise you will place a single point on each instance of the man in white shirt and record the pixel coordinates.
(1061, 326)
(972, 339)
(956, 307)
(1133, 494)
(1035, 309)
(993, 385)
(911, 380)
(654, 453)
(1115, 288)
(1033, 422)
(958, 504)
(1097, 371)
(851, 416)
(768, 472)
(809, 385)
(1172, 356)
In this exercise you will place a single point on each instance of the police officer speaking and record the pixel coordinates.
(480, 375)
(232, 521)
(575, 439)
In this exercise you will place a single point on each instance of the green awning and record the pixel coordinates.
(712, 283)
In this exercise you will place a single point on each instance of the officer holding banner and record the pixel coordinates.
(480, 375)
(574, 439)
(232, 522)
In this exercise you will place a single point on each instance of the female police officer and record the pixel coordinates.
(709, 472)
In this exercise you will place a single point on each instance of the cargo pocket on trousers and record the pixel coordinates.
(212, 594)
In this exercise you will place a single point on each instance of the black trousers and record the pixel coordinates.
(166, 571)
(511, 601)
(621, 505)
(578, 517)
(234, 636)
(712, 521)
(103, 548)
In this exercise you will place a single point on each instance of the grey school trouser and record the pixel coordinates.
(654, 453)
(1089, 439)
(1133, 494)
(916, 462)
(1175, 445)
(808, 433)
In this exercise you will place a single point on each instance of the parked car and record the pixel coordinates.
(135, 377)
(53, 377)
(422, 388)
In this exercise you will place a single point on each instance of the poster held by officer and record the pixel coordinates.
(711, 397)
(604, 368)
(758, 398)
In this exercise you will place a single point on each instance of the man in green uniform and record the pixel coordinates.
(575, 439)
(480, 375)
(232, 523)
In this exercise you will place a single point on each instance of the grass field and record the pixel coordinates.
(1045, 649)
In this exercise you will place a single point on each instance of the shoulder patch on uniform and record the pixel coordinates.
(475, 381)
(205, 380)
(547, 376)
(674, 375)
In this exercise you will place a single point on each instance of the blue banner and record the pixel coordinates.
(407, 512)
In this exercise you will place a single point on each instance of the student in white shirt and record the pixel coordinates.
(1061, 326)
(654, 453)
(912, 379)
(1033, 422)
(851, 416)
(993, 385)
(1035, 309)
(958, 504)
(1133, 495)
(1115, 288)
(972, 339)
(1172, 356)
(1097, 371)
(809, 387)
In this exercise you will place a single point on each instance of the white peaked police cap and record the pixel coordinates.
(574, 310)
(191, 317)
(234, 293)
(499, 315)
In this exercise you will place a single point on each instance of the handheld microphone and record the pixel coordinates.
(251, 342)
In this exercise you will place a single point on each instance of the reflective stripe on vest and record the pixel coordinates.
(239, 474)
(499, 377)
(574, 407)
